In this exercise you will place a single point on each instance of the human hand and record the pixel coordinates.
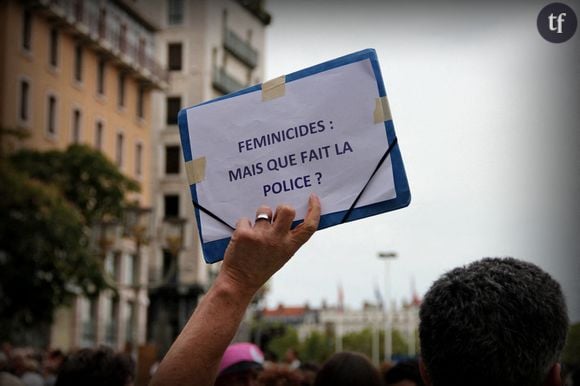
(256, 252)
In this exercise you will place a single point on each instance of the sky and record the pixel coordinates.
(486, 113)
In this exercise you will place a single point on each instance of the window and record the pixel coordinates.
(129, 272)
(51, 116)
(27, 30)
(102, 23)
(174, 12)
(110, 311)
(119, 150)
(174, 56)
(88, 317)
(53, 57)
(169, 270)
(101, 77)
(111, 261)
(78, 63)
(24, 100)
(172, 159)
(141, 102)
(79, 10)
(76, 126)
(130, 321)
(171, 205)
(138, 159)
(173, 106)
(99, 128)
(121, 96)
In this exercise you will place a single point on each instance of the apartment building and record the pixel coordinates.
(83, 71)
(210, 48)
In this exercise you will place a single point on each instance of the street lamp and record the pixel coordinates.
(387, 307)
(173, 235)
(138, 223)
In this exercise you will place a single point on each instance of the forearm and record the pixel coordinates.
(194, 357)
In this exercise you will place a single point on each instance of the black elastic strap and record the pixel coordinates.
(210, 214)
(383, 158)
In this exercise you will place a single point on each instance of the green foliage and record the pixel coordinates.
(44, 253)
(362, 342)
(317, 348)
(280, 344)
(571, 353)
(48, 200)
(86, 178)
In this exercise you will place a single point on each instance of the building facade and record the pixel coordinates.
(83, 71)
(210, 48)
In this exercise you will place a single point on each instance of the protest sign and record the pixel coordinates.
(325, 129)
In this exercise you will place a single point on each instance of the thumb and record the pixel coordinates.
(306, 229)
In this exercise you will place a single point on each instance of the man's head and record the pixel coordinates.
(492, 322)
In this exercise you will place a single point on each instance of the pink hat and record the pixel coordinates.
(241, 357)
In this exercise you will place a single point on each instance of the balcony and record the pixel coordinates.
(107, 37)
(240, 49)
(224, 83)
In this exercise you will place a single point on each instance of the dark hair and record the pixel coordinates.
(498, 321)
(279, 376)
(94, 367)
(404, 371)
(348, 369)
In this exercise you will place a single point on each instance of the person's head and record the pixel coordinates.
(498, 321)
(93, 367)
(240, 365)
(405, 373)
(348, 369)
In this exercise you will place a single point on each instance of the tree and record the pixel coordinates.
(49, 199)
(317, 347)
(85, 177)
(280, 344)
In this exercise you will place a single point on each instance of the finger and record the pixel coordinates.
(307, 228)
(283, 218)
(263, 210)
(243, 223)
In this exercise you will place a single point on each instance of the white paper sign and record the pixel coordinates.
(320, 136)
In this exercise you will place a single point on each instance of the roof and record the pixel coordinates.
(284, 312)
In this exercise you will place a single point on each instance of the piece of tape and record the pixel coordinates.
(274, 88)
(195, 170)
(382, 110)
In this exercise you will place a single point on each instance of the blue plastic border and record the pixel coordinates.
(213, 251)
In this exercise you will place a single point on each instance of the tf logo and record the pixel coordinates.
(557, 22)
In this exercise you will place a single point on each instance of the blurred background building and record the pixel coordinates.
(210, 48)
(113, 74)
(83, 72)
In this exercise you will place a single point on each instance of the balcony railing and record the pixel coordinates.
(224, 83)
(110, 37)
(240, 49)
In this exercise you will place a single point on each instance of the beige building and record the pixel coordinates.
(83, 72)
(211, 48)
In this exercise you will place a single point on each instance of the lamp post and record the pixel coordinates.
(387, 307)
(138, 225)
(173, 238)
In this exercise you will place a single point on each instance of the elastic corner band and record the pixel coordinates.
(274, 88)
(195, 170)
(382, 110)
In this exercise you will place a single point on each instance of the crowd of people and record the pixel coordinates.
(243, 364)
(26, 366)
(496, 321)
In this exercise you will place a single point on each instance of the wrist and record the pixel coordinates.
(228, 285)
